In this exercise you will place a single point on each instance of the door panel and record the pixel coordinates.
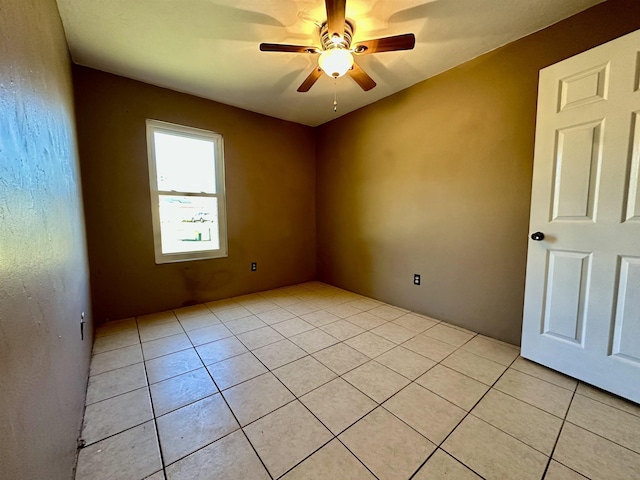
(567, 286)
(577, 172)
(626, 339)
(585, 87)
(633, 185)
(582, 295)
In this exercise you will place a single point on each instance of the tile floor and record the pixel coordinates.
(313, 382)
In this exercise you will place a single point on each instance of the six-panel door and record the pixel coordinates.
(582, 297)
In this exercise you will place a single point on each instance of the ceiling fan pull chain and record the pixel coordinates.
(335, 94)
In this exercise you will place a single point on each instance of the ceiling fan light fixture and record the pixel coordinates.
(335, 62)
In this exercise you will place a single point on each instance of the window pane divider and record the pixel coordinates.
(186, 194)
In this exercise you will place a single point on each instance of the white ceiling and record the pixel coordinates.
(209, 48)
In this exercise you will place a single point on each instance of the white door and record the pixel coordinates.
(582, 296)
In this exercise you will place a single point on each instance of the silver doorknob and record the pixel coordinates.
(538, 236)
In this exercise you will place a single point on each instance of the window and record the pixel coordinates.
(186, 175)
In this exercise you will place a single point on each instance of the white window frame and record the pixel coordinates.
(195, 133)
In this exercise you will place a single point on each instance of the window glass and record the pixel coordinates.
(184, 164)
(189, 223)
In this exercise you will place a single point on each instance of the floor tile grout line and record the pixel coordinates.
(118, 433)
(573, 390)
(636, 452)
(185, 332)
(256, 357)
(206, 445)
(164, 466)
(296, 398)
(118, 395)
(373, 359)
(437, 339)
(366, 394)
(266, 299)
(429, 390)
(223, 322)
(340, 375)
(315, 388)
(509, 434)
(461, 373)
(564, 421)
(457, 347)
(555, 444)
(123, 331)
(213, 363)
(81, 438)
(468, 413)
(381, 404)
(449, 455)
(93, 354)
(486, 357)
(424, 462)
(607, 404)
(334, 436)
(542, 379)
(173, 376)
(188, 404)
(402, 420)
(440, 363)
(155, 421)
(352, 453)
(236, 419)
(411, 380)
(569, 468)
(169, 353)
(148, 386)
(525, 401)
(177, 375)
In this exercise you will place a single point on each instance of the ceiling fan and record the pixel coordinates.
(336, 54)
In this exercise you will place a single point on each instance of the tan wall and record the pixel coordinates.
(436, 180)
(270, 184)
(44, 275)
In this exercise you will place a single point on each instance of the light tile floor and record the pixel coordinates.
(314, 382)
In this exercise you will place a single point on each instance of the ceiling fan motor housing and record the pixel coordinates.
(328, 42)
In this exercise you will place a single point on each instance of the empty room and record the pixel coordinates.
(319, 239)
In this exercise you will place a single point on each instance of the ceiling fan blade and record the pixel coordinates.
(280, 47)
(336, 16)
(310, 80)
(361, 78)
(405, 41)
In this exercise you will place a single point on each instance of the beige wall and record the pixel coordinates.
(270, 184)
(44, 278)
(436, 180)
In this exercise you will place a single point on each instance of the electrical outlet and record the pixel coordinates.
(416, 279)
(82, 322)
(254, 266)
